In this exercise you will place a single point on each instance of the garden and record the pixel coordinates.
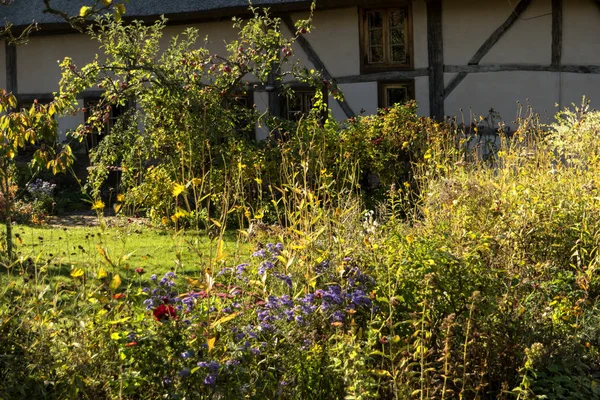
(219, 267)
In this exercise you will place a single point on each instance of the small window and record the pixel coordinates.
(114, 112)
(391, 93)
(242, 103)
(297, 105)
(386, 39)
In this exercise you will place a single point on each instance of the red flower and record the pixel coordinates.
(139, 270)
(118, 296)
(164, 312)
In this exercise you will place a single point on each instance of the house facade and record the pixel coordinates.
(458, 58)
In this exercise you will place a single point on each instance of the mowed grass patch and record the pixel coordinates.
(62, 249)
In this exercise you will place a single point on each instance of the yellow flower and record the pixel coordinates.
(98, 205)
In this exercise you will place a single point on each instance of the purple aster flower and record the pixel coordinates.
(338, 316)
(286, 279)
(184, 373)
(210, 380)
(241, 268)
(153, 277)
(321, 267)
(260, 253)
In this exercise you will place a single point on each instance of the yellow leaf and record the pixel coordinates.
(106, 3)
(196, 181)
(121, 197)
(77, 272)
(211, 342)
(115, 282)
(217, 223)
(102, 273)
(85, 11)
(100, 250)
(220, 253)
(178, 189)
(224, 319)
(117, 207)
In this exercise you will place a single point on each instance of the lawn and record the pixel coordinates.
(126, 247)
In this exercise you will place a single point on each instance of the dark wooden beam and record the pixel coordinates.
(10, 51)
(384, 76)
(435, 48)
(498, 33)
(574, 69)
(489, 43)
(273, 95)
(314, 58)
(557, 32)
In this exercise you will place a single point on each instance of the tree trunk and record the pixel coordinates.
(8, 217)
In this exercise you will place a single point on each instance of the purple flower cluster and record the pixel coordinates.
(40, 188)
(269, 256)
(334, 301)
(163, 293)
(212, 368)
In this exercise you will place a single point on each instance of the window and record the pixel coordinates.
(391, 93)
(386, 42)
(114, 112)
(298, 104)
(242, 104)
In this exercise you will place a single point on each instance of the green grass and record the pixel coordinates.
(62, 249)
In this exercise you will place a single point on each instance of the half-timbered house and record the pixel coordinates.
(458, 58)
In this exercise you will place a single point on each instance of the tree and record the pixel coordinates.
(36, 125)
(189, 143)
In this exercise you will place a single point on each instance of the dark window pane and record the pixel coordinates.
(397, 19)
(375, 19)
(376, 37)
(399, 54)
(398, 94)
(375, 54)
(396, 37)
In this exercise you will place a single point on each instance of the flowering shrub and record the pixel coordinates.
(250, 328)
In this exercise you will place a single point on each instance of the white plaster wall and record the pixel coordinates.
(575, 86)
(581, 33)
(2, 66)
(467, 24)
(37, 61)
(335, 38)
(509, 93)
(529, 40)
(70, 122)
(419, 12)
(261, 99)
(360, 96)
(422, 95)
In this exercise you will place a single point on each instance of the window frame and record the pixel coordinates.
(381, 86)
(365, 66)
(303, 90)
(93, 139)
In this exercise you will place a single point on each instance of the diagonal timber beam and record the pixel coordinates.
(489, 43)
(314, 58)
